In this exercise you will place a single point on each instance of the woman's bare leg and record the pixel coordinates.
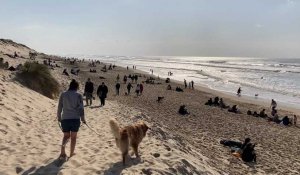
(73, 143)
(64, 142)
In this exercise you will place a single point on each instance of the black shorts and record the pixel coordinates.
(70, 125)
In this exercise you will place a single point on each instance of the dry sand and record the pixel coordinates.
(30, 136)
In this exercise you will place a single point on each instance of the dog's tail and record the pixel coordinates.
(115, 128)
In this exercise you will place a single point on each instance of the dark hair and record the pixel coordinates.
(73, 85)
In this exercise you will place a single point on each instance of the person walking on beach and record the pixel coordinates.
(125, 79)
(129, 86)
(88, 91)
(239, 91)
(137, 90)
(102, 93)
(69, 113)
(118, 88)
(273, 104)
(192, 82)
(118, 78)
(141, 89)
(185, 84)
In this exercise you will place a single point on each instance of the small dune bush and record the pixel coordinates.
(38, 78)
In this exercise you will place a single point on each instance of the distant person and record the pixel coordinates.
(118, 78)
(70, 111)
(137, 90)
(102, 93)
(295, 120)
(129, 86)
(185, 84)
(118, 88)
(262, 113)
(273, 104)
(275, 117)
(65, 72)
(239, 91)
(169, 87)
(190, 85)
(222, 104)
(285, 121)
(125, 79)
(182, 110)
(88, 91)
(209, 102)
(141, 88)
(178, 89)
(216, 101)
(192, 82)
(233, 109)
(127, 67)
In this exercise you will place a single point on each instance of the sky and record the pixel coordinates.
(218, 28)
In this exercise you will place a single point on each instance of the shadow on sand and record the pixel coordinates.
(93, 107)
(51, 168)
(118, 167)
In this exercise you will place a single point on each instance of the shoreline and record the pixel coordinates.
(231, 96)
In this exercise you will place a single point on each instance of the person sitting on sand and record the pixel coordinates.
(169, 87)
(233, 109)
(209, 102)
(249, 112)
(285, 121)
(248, 154)
(255, 114)
(262, 113)
(178, 89)
(216, 101)
(222, 104)
(295, 120)
(69, 113)
(275, 117)
(182, 110)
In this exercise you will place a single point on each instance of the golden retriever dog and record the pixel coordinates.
(131, 135)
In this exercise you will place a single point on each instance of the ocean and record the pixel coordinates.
(277, 79)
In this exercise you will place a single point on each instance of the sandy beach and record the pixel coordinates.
(30, 135)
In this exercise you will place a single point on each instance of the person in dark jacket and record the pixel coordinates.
(118, 88)
(129, 86)
(88, 91)
(102, 93)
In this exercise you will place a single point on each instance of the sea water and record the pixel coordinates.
(277, 79)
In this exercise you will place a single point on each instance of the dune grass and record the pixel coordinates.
(38, 78)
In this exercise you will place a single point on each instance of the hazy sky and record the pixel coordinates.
(254, 28)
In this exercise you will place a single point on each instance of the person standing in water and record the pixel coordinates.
(273, 104)
(69, 113)
(185, 84)
(239, 91)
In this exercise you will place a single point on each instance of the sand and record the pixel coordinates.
(30, 135)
